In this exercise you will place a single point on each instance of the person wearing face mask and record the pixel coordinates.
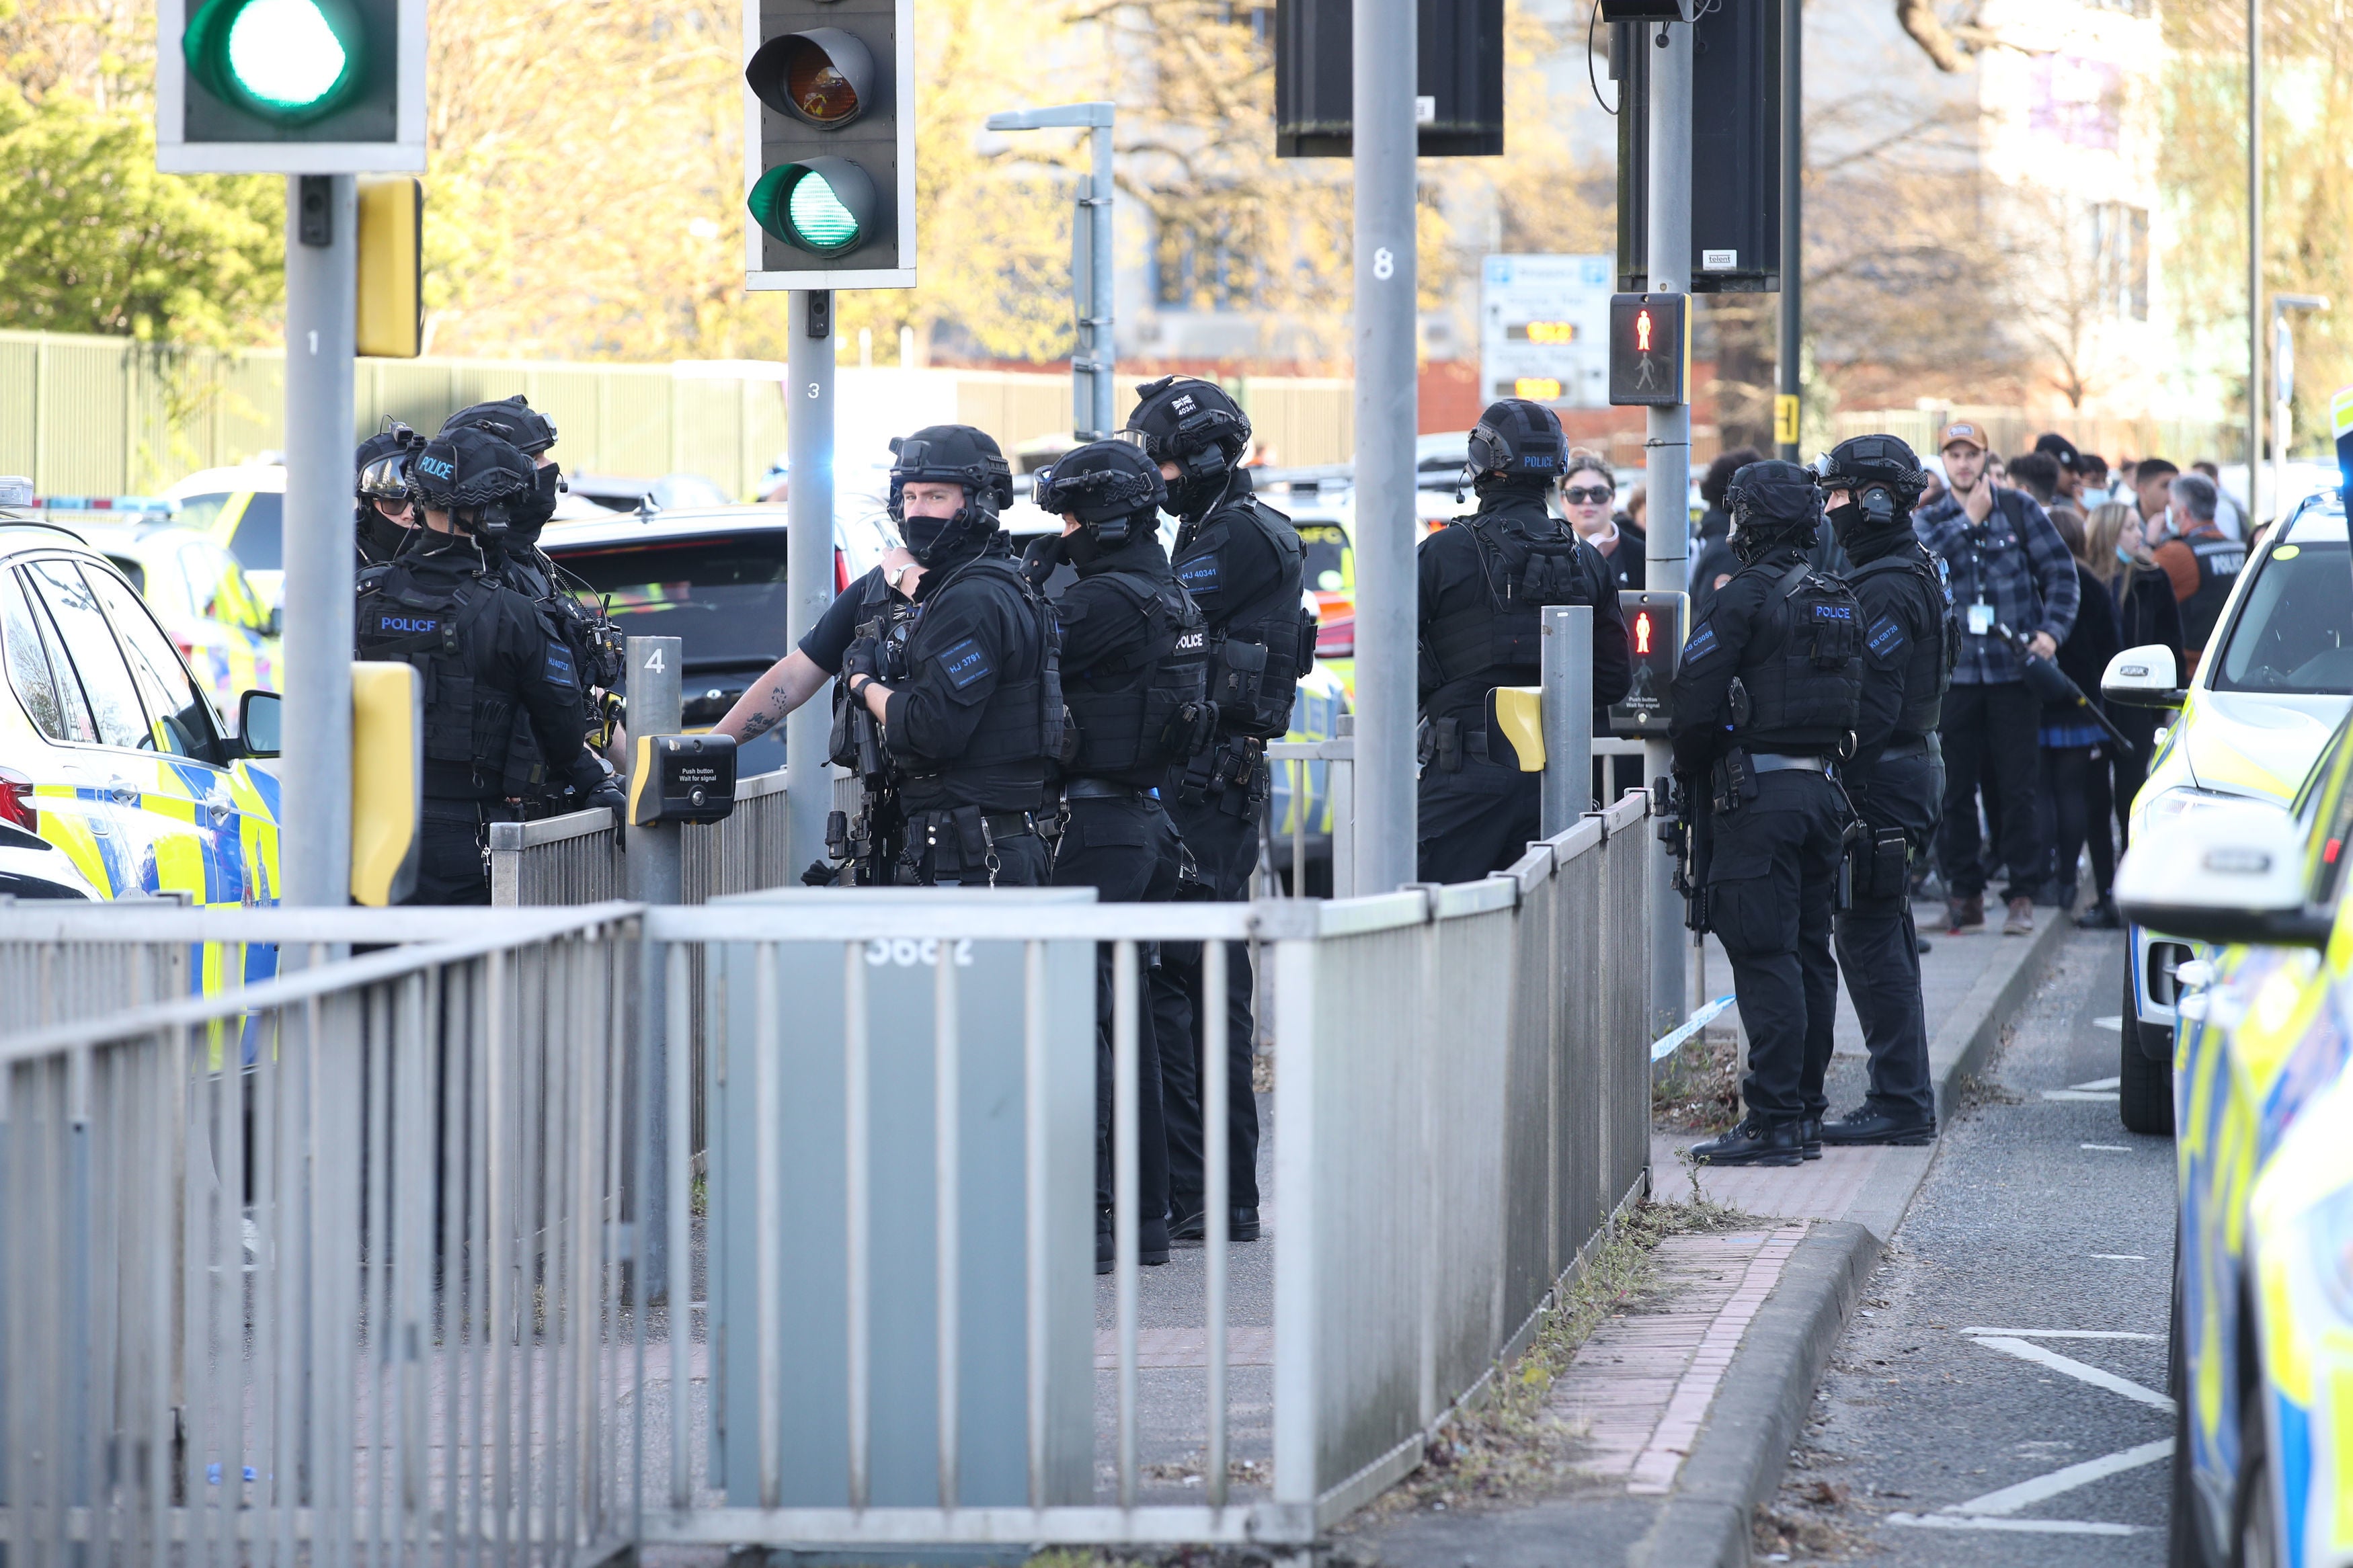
(1767, 699)
(969, 692)
(1135, 663)
(1585, 492)
(1895, 779)
(1485, 580)
(578, 617)
(502, 708)
(383, 515)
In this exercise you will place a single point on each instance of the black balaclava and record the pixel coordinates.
(1772, 503)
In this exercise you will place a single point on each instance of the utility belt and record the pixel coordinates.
(1101, 789)
(444, 808)
(1731, 781)
(1446, 744)
(953, 842)
(1233, 770)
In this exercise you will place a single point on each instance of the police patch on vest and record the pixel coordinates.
(559, 667)
(1199, 574)
(1886, 640)
(1700, 644)
(1192, 642)
(964, 663)
(1834, 613)
(417, 626)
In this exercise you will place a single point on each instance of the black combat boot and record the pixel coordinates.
(1755, 1142)
(1874, 1124)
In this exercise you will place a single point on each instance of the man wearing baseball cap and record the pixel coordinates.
(2011, 576)
(2062, 451)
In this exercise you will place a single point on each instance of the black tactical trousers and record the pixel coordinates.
(1878, 946)
(1125, 849)
(1772, 879)
(1997, 730)
(1023, 860)
(451, 869)
(1479, 819)
(1225, 850)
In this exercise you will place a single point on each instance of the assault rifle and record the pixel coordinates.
(1688, 831)
(863, 846)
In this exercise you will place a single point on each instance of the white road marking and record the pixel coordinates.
(2096, 1376)
(2119, 1257)
(2107, 1095)
(2106, 1148)
(2067, 1335)
(2113, 1021)
(2009, 1499)
(2099, 1083)
(2034, 1526)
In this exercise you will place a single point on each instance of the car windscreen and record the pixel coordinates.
(259, 544)
(1325, 543)
(722, 598)
(2293, 632)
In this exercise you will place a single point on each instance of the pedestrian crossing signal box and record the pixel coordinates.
(1654, 636)
(682, 778)
(1649, 349)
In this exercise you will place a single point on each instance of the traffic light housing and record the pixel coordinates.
(390, 322)
(1654, 636)
(291, 87)
(829, 121)
(1649, 349)
(1458, 79)
(1735, 123)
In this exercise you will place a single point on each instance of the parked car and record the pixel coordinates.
(2261, 1362)
(2271, 690)
(112, 755)
(210, 611)
(242, 509)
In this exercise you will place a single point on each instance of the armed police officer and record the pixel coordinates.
(1134, 664)
(1895, 779)
(968, 693)
(503, 709)
(1486, 581)
(1242, 561)
(597, 645)
(1764, 699)
(383, 514)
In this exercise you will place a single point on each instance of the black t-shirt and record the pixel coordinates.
(836, 629)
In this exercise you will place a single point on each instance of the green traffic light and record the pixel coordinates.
(288, 61)
(818, 217)
(822, 205)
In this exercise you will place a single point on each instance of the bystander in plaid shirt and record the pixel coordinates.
(2016, 563)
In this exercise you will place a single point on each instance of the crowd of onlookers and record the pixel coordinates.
(2052, 554)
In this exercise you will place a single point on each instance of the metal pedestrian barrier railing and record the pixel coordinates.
(435, 1269)
(578, 858)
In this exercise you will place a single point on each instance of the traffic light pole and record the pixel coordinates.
(1667, 449)
(316, 769)
(1385, 411)
(809, 559)
(1789, 406)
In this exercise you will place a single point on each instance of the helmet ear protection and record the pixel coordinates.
(1878, 505)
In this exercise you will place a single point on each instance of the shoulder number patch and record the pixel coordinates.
(1199, 575)
(559, 665)
(1886, 640)
(964, 663)
(1700, 644)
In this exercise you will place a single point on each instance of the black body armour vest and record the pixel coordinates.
(1141, 715)
(2220, 562)
(1502, 644)
(1799, 687)
(1023, 720)
(478, 744)
(1928, 670)
(1259, 648)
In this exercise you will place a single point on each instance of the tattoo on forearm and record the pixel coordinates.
(759, 724)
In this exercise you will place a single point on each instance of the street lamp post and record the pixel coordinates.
(2284, 389)
(1091, 395)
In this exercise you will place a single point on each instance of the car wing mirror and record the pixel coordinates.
(2231, 874)
(2144, 677)
(258, 715)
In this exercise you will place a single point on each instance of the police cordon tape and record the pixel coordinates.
(1666, 1043)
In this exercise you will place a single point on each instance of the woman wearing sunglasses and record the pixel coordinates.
(1588, 494)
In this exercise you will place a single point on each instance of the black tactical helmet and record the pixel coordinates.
(1193, 423)
(1770, 501)
(510, 419)
(1863, 463)
(381, 464)
(949, 455)
(1518, 440)
(1111, 486)
(469, 468)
